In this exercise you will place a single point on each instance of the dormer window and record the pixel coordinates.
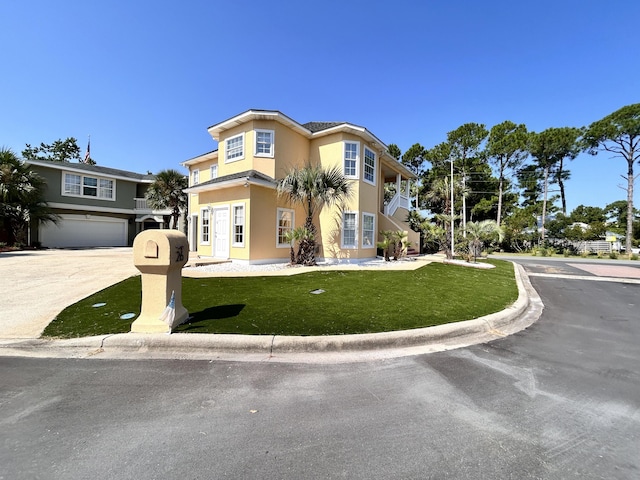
(234, 148)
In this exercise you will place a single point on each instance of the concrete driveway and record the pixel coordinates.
(37, 285)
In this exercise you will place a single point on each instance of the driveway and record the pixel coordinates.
(37, 285)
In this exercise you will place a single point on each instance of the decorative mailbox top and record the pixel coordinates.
(160, 248)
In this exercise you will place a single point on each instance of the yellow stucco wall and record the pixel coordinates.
(292, 149)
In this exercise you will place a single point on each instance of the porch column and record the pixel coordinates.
(398, 183)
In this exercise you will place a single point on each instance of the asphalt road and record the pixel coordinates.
(559, 400)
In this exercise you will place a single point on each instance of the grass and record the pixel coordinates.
(354, 301)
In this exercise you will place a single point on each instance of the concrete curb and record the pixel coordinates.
(525, 311)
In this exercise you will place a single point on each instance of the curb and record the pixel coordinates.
(521, 314)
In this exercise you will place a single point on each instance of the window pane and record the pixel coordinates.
(72, 184)
(214, 171)
(350, 159)
(106, 188)
(369, 165)
(238, 224)
(367, 230)
(264, 142)
(285, 225)
(90, 187)
(349, 229)
(235, 147)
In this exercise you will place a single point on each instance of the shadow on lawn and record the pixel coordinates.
(212, 313)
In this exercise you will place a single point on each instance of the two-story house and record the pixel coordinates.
(234, 210)
(97, 206)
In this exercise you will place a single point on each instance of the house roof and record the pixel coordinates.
(97, 169)
(319, 126)
(308, 130)
(246, 178)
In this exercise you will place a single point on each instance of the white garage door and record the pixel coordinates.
(85, 231)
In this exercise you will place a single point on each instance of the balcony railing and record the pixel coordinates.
(143, 206)
(398, 201)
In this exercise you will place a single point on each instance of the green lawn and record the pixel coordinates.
(354, 301)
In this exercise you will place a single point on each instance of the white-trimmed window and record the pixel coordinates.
(75, 185)
(368, 230)
(351, 156)
(264, 143)
(195, 177)
(213, 171)
(369, 166)
(205, 224)
(349, 230)
(72, 184)
(238, 225)
(285, 223)
(234, 148)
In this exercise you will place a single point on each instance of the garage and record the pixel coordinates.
(85, 231)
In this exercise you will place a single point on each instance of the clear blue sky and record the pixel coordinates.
(145, 79)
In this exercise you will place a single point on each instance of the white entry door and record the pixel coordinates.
(221, 233)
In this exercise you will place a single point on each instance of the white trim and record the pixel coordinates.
(364, 165)
(236, 182)
(82, 186)
(357, 160)
(156, 218)
(355, 240)
(373, 231)
(293, 225)
(201, 226)
(233, 224)
(226, 149)
(271, 154)
(73, 206)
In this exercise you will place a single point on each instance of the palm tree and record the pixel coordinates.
(21, 197)
(167, 192)
(313, 187)
(480, 232)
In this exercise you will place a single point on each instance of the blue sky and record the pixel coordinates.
(145, 79)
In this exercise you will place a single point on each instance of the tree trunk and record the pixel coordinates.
(544, 200)
(561, 186)
(630, 179)
(500, 182)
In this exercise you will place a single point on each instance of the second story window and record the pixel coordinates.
(214, 171)
(234, 148)
(264, 143)
(195, 177)
(369, 166)
(351, 152)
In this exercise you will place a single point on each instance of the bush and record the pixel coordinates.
(613, 255)
(634, 256)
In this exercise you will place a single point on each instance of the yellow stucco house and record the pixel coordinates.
(235, 213)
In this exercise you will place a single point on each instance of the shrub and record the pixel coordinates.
(613, 255)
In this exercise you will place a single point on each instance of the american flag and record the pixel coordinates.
(87, 155)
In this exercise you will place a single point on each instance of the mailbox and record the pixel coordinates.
(160, 256)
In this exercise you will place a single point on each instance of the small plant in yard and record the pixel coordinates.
(634, 256)
(394, 244)
(613, 255)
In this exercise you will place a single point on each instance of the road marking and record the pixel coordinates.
(583, 277)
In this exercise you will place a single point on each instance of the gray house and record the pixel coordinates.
(98, 206)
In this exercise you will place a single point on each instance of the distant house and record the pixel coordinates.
(235, 213)
(98, 206)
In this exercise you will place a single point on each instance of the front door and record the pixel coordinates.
(221, 233)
